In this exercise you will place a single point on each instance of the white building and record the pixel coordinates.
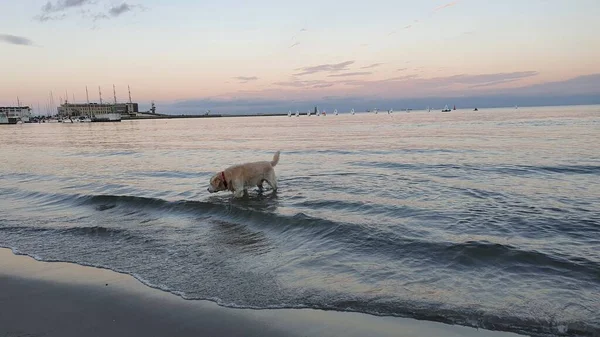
(13, 114)
(93, 109)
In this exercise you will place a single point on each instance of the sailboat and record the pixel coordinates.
(335, 112)
(446, 109)
(352, 111)
(376, 111)
(428, 109)
(454, 107)
(290, 113)
(297, 113)
(390, 111)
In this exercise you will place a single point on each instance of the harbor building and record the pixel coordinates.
(92, 109)
(14, 114)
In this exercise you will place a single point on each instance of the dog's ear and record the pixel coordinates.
(218, 182)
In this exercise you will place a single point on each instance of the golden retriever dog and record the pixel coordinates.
(239, 178)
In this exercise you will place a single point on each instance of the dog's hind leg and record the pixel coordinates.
(272, 181)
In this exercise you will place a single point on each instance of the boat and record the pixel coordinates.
(297, 113)
(335, 112)
(475, 109)
(376, 111)
(352, 112)
(454, 107)
(84, 119)
(446, 109)
(290, 113)
(106, 117)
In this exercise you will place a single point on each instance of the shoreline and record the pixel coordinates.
(65, 299)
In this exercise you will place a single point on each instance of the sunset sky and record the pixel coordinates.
(220, 54)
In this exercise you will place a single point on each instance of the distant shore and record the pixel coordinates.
(196, 116)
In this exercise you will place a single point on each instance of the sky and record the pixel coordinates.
(234, 56)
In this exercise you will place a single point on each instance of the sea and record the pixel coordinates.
(488, 219)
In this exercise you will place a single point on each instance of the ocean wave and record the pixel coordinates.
(369, 240)
(511, 170)
(439, 312)
(92, 231)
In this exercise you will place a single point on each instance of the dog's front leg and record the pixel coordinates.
(238, 190)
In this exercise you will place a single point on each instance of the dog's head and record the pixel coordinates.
(217, 183)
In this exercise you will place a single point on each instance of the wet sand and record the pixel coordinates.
(64, 299)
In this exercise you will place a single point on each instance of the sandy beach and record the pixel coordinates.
(64, 299)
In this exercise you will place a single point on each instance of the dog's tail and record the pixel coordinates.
(275, 159)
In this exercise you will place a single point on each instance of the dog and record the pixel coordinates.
(239, 178)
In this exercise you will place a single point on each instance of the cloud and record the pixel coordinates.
(100, 16)
(44, 17)
(485, 80)
(413, 84)
(118, 10)
(585, 84)
(374, 65)
(370, 83)
(358, 73)
(324, 68)
(57, 10)
(450, 4)
(305, 84)
(493, 83)
(50, 9)
(294, 45)
(579, 90)
(16, 40)
(245, 79)
(324, 85)
(60, 6)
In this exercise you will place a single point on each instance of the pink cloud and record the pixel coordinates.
(450, 4)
